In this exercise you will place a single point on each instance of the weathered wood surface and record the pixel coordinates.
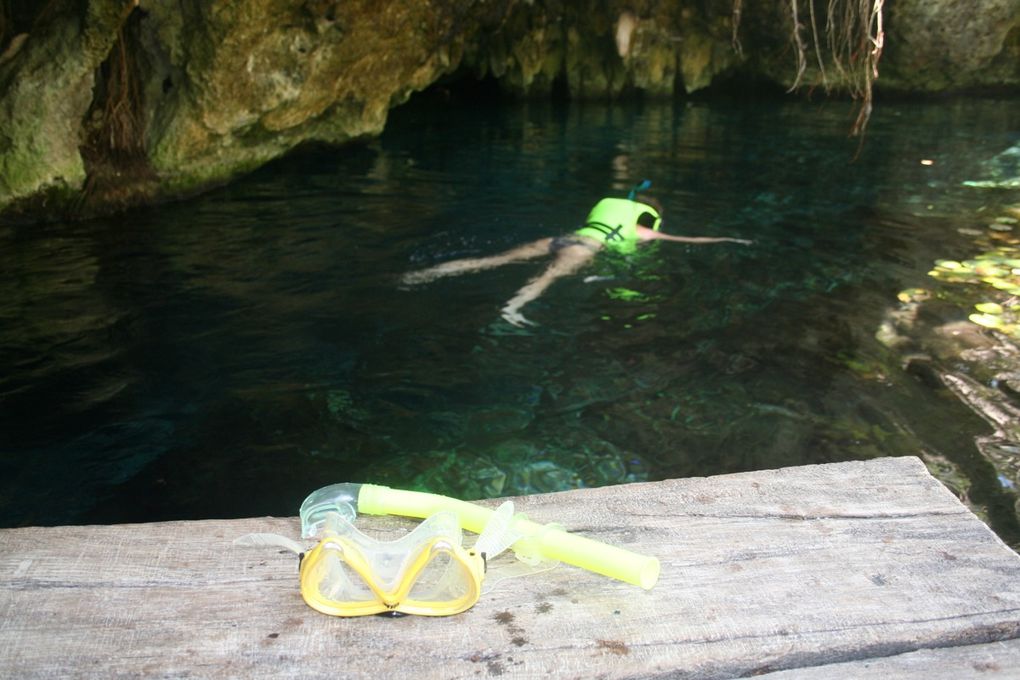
(992, 660)
(869, 569)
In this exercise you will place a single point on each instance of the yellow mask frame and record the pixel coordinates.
(350, 574)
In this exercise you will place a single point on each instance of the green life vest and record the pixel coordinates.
(614, 222)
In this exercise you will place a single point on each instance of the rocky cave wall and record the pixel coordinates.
(109, 103)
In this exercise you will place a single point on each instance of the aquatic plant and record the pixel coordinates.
(997, 270)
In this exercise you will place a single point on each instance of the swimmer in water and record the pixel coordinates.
(615, 223)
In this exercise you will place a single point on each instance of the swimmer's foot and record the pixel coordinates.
(515, 318)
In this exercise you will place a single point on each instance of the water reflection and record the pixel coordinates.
(224, 356)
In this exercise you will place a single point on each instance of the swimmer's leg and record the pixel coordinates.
(472, 264)
(568, 260)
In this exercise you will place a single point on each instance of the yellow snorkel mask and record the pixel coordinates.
(428, 572)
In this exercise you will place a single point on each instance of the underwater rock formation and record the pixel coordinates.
(109, 103)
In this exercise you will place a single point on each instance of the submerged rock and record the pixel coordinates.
(1000, 172)
(975, 358)
(568, 458)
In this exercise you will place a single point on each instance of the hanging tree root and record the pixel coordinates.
(854, 38)
(114, 149)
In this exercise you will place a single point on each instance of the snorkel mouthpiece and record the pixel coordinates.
(538, 541)
(336, 498)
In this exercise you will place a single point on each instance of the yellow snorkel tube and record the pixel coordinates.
(538, 541)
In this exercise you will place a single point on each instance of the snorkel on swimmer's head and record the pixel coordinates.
(643, 185)
(651, 219)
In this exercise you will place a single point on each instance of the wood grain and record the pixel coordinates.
(797, 570)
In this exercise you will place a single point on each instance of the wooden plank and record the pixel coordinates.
(765, 571)
(991, 661)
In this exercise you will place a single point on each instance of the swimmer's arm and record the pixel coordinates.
(646, 234)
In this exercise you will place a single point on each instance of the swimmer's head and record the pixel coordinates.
(649, 219)
(650, 201)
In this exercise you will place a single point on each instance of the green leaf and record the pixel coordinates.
(624, 294)
(989, 308)
(986, 320)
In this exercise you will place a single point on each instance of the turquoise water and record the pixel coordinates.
(223, 357)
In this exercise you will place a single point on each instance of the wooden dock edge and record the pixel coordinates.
(859, 569)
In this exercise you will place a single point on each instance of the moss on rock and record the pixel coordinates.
(226, 87)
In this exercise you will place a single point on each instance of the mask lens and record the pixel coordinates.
(443, 579)
(448, 584)
(334, 580)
